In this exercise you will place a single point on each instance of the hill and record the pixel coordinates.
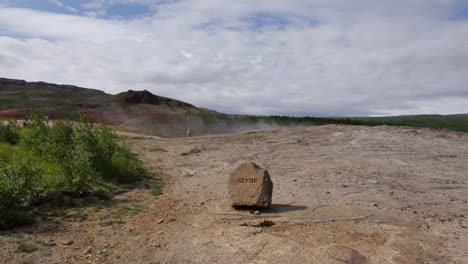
(142, 111)
(136, 109)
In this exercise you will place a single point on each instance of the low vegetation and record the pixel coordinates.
(24, 246)
(42, 160)
(8, 133)
(157, 189)
(459, 122)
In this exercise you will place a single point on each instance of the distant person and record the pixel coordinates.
(188, 134)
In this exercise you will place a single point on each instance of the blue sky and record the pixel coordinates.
(104, 9)
(125, 9)
(462, 12)
(298, 57)
(129, 9)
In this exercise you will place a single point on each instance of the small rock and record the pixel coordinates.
(257, 212)
(50, 243)
(372, 181)
(159, 232)
(160, 221)
(258, 223)
(88, 250)
(374, 204)
(258, 230)
(67, 242)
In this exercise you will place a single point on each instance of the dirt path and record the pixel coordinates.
(342, 194)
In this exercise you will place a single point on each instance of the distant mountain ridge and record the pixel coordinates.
(19, 93)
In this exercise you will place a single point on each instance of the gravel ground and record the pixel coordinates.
(342, 194)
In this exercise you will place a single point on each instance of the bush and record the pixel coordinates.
(9, 133)
(126, 166)
(62, 158)
(18, 182)
(11, 217)
(88, 156)
(18, 191)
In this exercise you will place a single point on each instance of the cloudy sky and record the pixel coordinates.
(296, 57)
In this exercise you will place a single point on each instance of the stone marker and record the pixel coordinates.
(250, 186)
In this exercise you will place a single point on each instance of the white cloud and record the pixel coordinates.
(56, 2)
(335, 57)
(186, 54)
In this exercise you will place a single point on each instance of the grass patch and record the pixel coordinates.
(119, 214)
(96, 209)
(76, 214)
(110, 221)
(23, 246)
(9, 101)
(126, 211)
(157, 189)
(26, 261)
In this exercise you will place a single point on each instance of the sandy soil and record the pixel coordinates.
(342, 194)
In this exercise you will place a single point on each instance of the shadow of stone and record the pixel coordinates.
(274, 208)
(284, 208)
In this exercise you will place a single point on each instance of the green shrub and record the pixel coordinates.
(61, 158)
(18, 183)
(11, 217)
(41, 139)
(9, 133)
(88, 156)
(126, 167)
(18, 191)
(6, 151)
(79, 173)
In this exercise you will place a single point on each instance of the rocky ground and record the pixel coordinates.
(342, 194)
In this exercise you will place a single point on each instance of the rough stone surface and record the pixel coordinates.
(250, 186)
(342, 254)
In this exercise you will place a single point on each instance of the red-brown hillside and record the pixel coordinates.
(139, 109)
